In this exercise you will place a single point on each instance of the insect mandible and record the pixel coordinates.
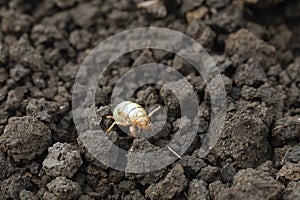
(131, 114)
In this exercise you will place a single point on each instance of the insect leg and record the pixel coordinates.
(139, 129)
(109, 117)
(113, 124)
(154, 111)
(109, 129)
(132, 131)
(152, 126)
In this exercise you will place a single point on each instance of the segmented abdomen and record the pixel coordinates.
(127, 111)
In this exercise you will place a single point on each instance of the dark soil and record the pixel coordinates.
(256, 45)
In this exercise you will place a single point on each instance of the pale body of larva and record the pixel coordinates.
(128, 112)
(131, 114)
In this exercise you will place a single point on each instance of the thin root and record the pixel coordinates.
(176, 154)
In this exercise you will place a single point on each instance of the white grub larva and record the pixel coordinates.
(131, 114)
